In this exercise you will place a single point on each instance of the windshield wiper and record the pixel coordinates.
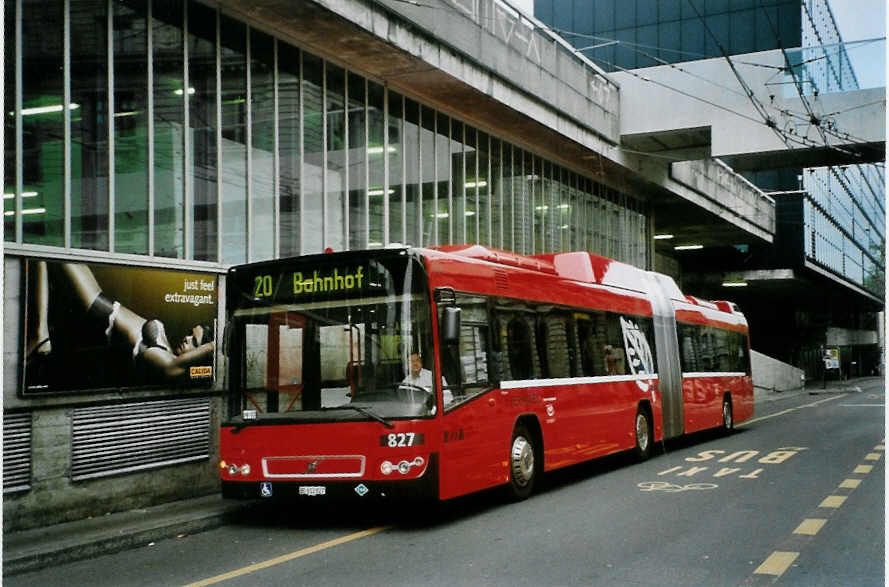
(366, 411)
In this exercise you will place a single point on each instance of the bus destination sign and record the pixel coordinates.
(310, 283)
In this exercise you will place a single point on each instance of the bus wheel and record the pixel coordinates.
(643, 435)
(728, 422)
(522, 465)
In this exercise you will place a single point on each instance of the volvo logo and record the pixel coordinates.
(313, 466)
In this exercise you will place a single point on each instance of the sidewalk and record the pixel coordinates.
(764, 395)
(33, 549)
(53, 545)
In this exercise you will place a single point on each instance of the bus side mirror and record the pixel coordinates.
(450, 327)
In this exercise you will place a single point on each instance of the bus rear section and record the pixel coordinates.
(714, 351)
(331, 392)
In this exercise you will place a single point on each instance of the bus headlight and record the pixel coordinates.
(403, 467)
(233, 469)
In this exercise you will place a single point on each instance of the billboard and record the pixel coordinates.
(832, 358)
(100, 327)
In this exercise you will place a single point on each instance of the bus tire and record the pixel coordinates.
(522, 463)
(728, 420)
(644, 435)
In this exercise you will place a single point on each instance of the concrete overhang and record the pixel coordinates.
(494, 67)
(502, 72)
(781, 284)
(664, 109)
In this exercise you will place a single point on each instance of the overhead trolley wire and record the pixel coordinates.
(757, 105)
(812, 118)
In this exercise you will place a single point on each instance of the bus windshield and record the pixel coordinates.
(340, 351)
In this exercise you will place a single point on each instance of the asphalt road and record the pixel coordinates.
(793, 497)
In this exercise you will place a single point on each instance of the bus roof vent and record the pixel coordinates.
(501, 257)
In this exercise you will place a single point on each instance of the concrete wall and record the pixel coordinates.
(719, 189)
(772, 375)
(523, 51)
(711, 97)
(845, 336)
(54, 498)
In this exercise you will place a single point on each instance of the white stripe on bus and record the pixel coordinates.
(523, 383)
(715, 374)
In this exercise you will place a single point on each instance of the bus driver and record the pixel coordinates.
(420, 377)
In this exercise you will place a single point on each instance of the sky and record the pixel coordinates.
(858, 19)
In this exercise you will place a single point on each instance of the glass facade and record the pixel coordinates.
(845, 221)
(843, 207)
(653, 32)
(176, 132)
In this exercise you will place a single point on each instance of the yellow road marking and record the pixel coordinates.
(287, 557)
(789, 410)
(777, 563)
(833, 501)
(872, 456)
(863, 469)
(850, 483)
(810, 526)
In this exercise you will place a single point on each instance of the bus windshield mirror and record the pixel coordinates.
(451, 326)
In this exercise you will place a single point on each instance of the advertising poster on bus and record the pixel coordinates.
(101, 327)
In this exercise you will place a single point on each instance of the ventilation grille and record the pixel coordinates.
(16, 452)
(501, 279)
(110, 440)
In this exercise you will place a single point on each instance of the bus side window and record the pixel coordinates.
(519, 347)
(556, 345)
(586, 335)
(495, 355)
(688, 355)
(613, 354)
(465, 365)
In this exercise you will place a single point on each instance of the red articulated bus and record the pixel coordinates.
(437, 372)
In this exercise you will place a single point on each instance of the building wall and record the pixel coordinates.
(141, 142)
(772, 375)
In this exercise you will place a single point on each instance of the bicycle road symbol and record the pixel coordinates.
(672, 488)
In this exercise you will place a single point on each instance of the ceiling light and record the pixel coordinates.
(46, 109)
(662, 237)
(24, 195)
(688, 247)
(734, 284)
(26, 211)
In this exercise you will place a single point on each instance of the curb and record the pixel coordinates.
(34, 549)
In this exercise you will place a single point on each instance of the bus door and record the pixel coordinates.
(284, 361)
(475, 427)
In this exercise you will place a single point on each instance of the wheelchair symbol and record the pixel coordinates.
(265, 489)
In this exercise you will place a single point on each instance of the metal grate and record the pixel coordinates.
(16, 452)
(110, 440)
(501, 279)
